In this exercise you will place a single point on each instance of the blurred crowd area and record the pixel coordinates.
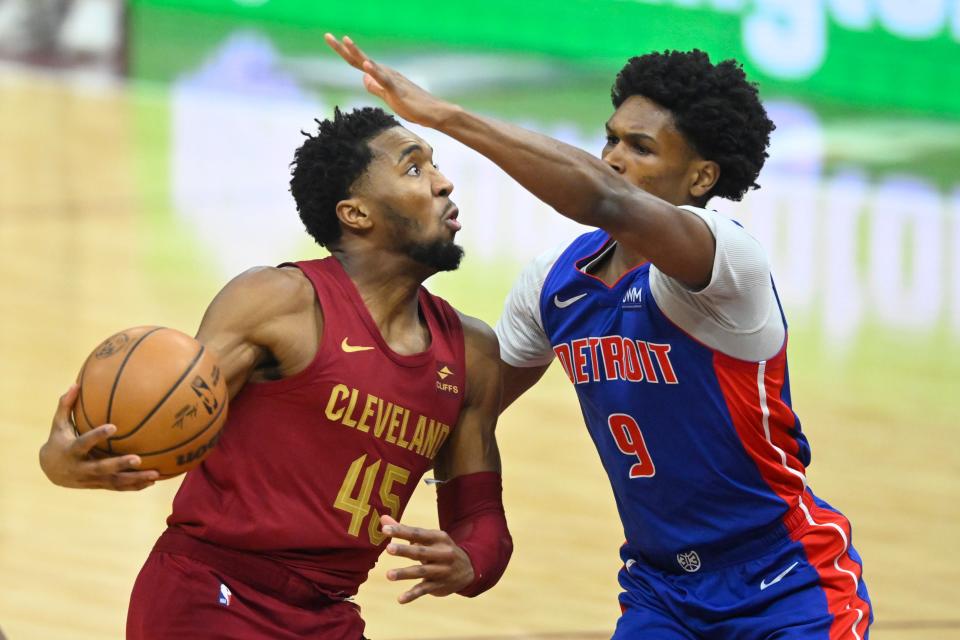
(77, 34)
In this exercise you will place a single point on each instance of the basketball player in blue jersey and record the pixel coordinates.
(667, 322)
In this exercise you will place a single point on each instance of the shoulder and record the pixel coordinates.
(725, 229)
(533, 276)
(480, 341)
(285, 280)
(271, 290)
(482, 355)
(261, 299)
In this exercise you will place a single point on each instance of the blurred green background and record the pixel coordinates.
(861, 195)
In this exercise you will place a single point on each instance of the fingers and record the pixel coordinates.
(387, 520)
(118, 473)
(116, 464)
(133, 480)
(374, 78)
(355, 51)
(374, 87)
(442, 567)
(346, 50)
(442, 554)
(83, 444)
(341, 51)
(65, 406)
(417, 591)
(414, 534)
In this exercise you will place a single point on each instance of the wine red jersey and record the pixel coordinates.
(306, 465)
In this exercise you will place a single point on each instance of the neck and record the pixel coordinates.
(626, 259)
(617, 263)
(389, 285)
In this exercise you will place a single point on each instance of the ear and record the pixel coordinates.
(353, 214)
(705, 176)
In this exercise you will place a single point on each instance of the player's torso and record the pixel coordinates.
(306, 465)
(672, 420)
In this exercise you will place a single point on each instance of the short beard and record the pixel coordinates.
(441, 255)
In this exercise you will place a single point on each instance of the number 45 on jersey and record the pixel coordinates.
(359, 507)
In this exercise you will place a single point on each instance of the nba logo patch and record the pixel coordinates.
(225, 595)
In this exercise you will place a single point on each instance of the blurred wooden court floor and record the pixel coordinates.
(80, 197)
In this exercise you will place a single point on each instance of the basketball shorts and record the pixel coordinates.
(807, 585)
(183, 593)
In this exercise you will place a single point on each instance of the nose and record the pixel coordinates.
(442, 187)
(613, 158)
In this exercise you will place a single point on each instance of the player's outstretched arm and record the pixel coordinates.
(242, 325)
(471, 550)
(574, 182)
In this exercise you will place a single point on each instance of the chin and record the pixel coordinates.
(440, 255)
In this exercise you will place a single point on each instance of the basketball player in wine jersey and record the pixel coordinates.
(348, 381)
(666, 321)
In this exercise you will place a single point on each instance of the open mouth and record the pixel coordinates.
(450, 219)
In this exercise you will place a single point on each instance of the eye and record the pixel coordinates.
(413, 170)
(435, 166)
(640, 149)
(612, 140)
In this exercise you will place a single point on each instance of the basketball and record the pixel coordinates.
(162, 390)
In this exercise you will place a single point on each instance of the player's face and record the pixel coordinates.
(411, 199)
(646, 148)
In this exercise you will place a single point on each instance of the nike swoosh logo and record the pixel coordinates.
(349, 348)
(764, 584)
(563, 304)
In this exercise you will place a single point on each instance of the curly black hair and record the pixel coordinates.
(327, 164)
(715, 107)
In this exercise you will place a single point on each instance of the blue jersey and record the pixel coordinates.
(701, 449)
(687, 398)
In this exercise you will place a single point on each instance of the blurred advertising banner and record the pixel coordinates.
(901, 54)
(859, 209)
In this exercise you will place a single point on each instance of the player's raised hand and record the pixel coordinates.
(65, 457)
(444, 567)
(407, 99)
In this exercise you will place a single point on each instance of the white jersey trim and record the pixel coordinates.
(523, 340)
(736, 313)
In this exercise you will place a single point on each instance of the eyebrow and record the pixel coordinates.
(634, 136)
(410, 149)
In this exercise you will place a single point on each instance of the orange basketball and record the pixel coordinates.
(164, 392)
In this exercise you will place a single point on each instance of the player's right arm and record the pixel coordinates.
(255, 326)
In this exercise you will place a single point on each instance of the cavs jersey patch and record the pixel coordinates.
(446, 380)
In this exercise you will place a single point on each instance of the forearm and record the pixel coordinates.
(471, 512)
(577, 184)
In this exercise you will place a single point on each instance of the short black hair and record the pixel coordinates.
(715, 107)
(327, 164)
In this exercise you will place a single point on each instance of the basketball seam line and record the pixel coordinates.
(157, 406)
(83, 410)
(191, 438)
(126, 358)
